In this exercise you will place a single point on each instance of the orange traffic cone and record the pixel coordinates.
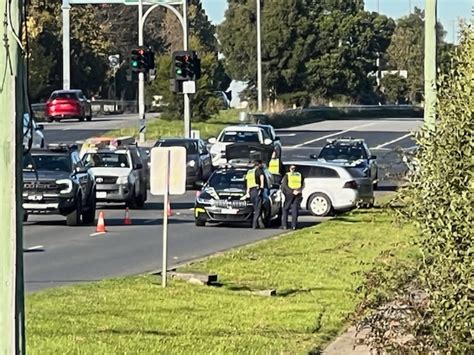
(169, 211)
(101, 224)
(127, 220)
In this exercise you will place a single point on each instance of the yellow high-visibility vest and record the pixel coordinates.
(295, 180)
(251, 180)
(274, 166)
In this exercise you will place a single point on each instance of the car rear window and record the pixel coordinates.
(317, 172)
(63, 95)
(240, 137)
(106, 160)
(191, 146)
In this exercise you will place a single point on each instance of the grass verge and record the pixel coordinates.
(157, 128)
(314, 271)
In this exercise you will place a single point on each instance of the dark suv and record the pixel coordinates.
(55, 181)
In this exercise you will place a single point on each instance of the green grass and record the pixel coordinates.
(314, 271)
(158, 128)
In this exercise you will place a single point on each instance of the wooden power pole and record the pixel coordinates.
(430, 63)
(12, 108)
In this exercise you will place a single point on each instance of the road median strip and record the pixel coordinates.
(308, 278)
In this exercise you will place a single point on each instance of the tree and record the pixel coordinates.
(310, 47)
(395, 89)
(406, 51)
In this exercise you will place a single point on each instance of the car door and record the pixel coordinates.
(138, 170)
(205, 159)
(274, 194)
(82, 176)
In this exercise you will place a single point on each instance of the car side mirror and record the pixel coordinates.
(138, 166)
(212, 140)
(277, 138)
(313, 156)
(200, 183)
(267, 141)
(40, 127)
(373, 157)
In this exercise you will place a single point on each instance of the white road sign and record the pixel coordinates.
(168, 171)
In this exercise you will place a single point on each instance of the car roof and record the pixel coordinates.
(242, 129)
(66, 91)
(178, 139)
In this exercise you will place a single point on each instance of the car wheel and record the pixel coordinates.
(140, 200)
(25, 217)
(81, 119)
(50, 119)
(319, 205)
(89, 117)
(42, 143)
(200, 222)
(88, 216)
(74, 218)
(376, 185)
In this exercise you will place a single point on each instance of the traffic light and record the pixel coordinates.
(149, 59)
(138, 61)
(186, 66)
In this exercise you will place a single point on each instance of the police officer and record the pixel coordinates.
(292, 188)
(256, 184)
(275, 167)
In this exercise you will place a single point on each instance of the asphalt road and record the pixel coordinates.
(56, 254)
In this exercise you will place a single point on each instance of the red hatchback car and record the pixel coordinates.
(68, 104)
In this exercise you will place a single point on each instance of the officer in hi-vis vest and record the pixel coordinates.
(256, 184)
(275, 167)
(292, 188)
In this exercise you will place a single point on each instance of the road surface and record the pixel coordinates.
(56, 254)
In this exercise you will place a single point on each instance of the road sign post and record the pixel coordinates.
(167, 177)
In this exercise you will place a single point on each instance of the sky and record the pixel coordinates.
(449, 11)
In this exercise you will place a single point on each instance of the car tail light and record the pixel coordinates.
(350, 185)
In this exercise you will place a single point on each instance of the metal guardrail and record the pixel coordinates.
(101, 107)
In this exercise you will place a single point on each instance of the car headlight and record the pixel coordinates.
(192, 163)
(122, 180)
(204, 199)
(65, 185)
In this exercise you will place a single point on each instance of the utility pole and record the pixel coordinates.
(66, 7)
(141, 79)
(259, 58)
(12, 107)
(430, 63)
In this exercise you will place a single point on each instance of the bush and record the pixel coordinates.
(439, 200)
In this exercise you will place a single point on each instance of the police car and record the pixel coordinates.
(224, 197)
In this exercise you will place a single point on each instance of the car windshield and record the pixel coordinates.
(239, 137)
(191, 146)
(228, 180)
(343, 152)
(106, 160)
(64, 95)
(47, 162)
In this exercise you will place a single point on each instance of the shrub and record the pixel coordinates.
(439, 201)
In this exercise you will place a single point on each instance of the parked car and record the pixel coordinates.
(55, 181)
(68, 104)
(332, 188)
(235, 134)
(199, 163)
(351, 153)
(32, 131)
(120, 175)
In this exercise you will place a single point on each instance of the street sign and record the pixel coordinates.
(168, 177)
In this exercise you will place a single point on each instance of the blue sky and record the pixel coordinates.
(449, 11)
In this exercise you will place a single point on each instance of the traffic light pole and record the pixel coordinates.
(141, 79)
(187, 101)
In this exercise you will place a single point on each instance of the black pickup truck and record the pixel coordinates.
(55, 181)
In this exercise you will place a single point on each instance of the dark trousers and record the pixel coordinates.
(293, 202)
(256, 199)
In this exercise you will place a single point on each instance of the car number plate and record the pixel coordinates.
(101, 194)
(35, 198)
(229, 211)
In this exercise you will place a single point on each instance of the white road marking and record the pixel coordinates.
(150, 220)
(96, 234)
(286, 135)
(35, 248)
(333, 135)
(393, 141)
